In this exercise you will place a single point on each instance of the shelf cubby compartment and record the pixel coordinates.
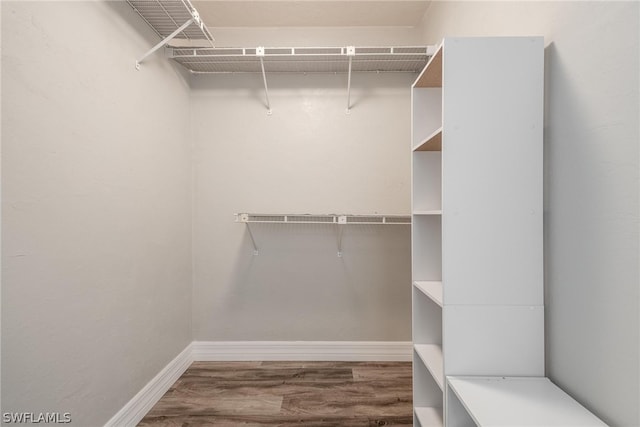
(427, 395)
(426, 115)
(429, 417)
(432, 289)
(431, 75)
(427, 319)
(427, 183)
(513, 401)
(431, 356)
(426, 252)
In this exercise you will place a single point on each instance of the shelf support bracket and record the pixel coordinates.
(351, 52)
(253, 241)
(165, 41)
(342, 220)
(260, 54)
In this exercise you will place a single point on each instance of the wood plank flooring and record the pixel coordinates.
(322, 394)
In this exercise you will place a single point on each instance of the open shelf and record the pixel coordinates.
(429, 417)
(431, 76)
(431, 289)
(408, 59)
(373, 219)
(431, 356)
(519, 401)
(431, 143)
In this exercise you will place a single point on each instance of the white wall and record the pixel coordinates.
(308, 157)
(591, 155)
(96, 209)
(317, 36)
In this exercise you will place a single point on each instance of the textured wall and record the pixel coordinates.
(308, 157)
(96, 209)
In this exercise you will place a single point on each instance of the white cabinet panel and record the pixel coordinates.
(493, 340)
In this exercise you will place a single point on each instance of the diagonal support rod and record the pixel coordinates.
(340, 228)
(351, 52)
(266, 89)
(349, 88)
(255, 247)
(164, 41)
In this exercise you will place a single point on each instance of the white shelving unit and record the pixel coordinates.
(477, 217)
(509, 402)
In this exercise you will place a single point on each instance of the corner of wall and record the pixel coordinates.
(423, 26)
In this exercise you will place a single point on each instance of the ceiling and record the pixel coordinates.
(310, 13)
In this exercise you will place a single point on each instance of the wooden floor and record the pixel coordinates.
(351, 394)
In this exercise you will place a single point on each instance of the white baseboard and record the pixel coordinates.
(141, 403)
(208, 351)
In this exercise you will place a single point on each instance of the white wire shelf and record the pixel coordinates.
(340, 220)
(171, 19)
(166, 16)
(407, 59)
(374, 219)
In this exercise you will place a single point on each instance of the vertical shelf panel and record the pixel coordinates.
(494, 340)
(492, 168)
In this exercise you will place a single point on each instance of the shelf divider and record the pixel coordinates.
(431, 143)
(431, 289)
(430, 212)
